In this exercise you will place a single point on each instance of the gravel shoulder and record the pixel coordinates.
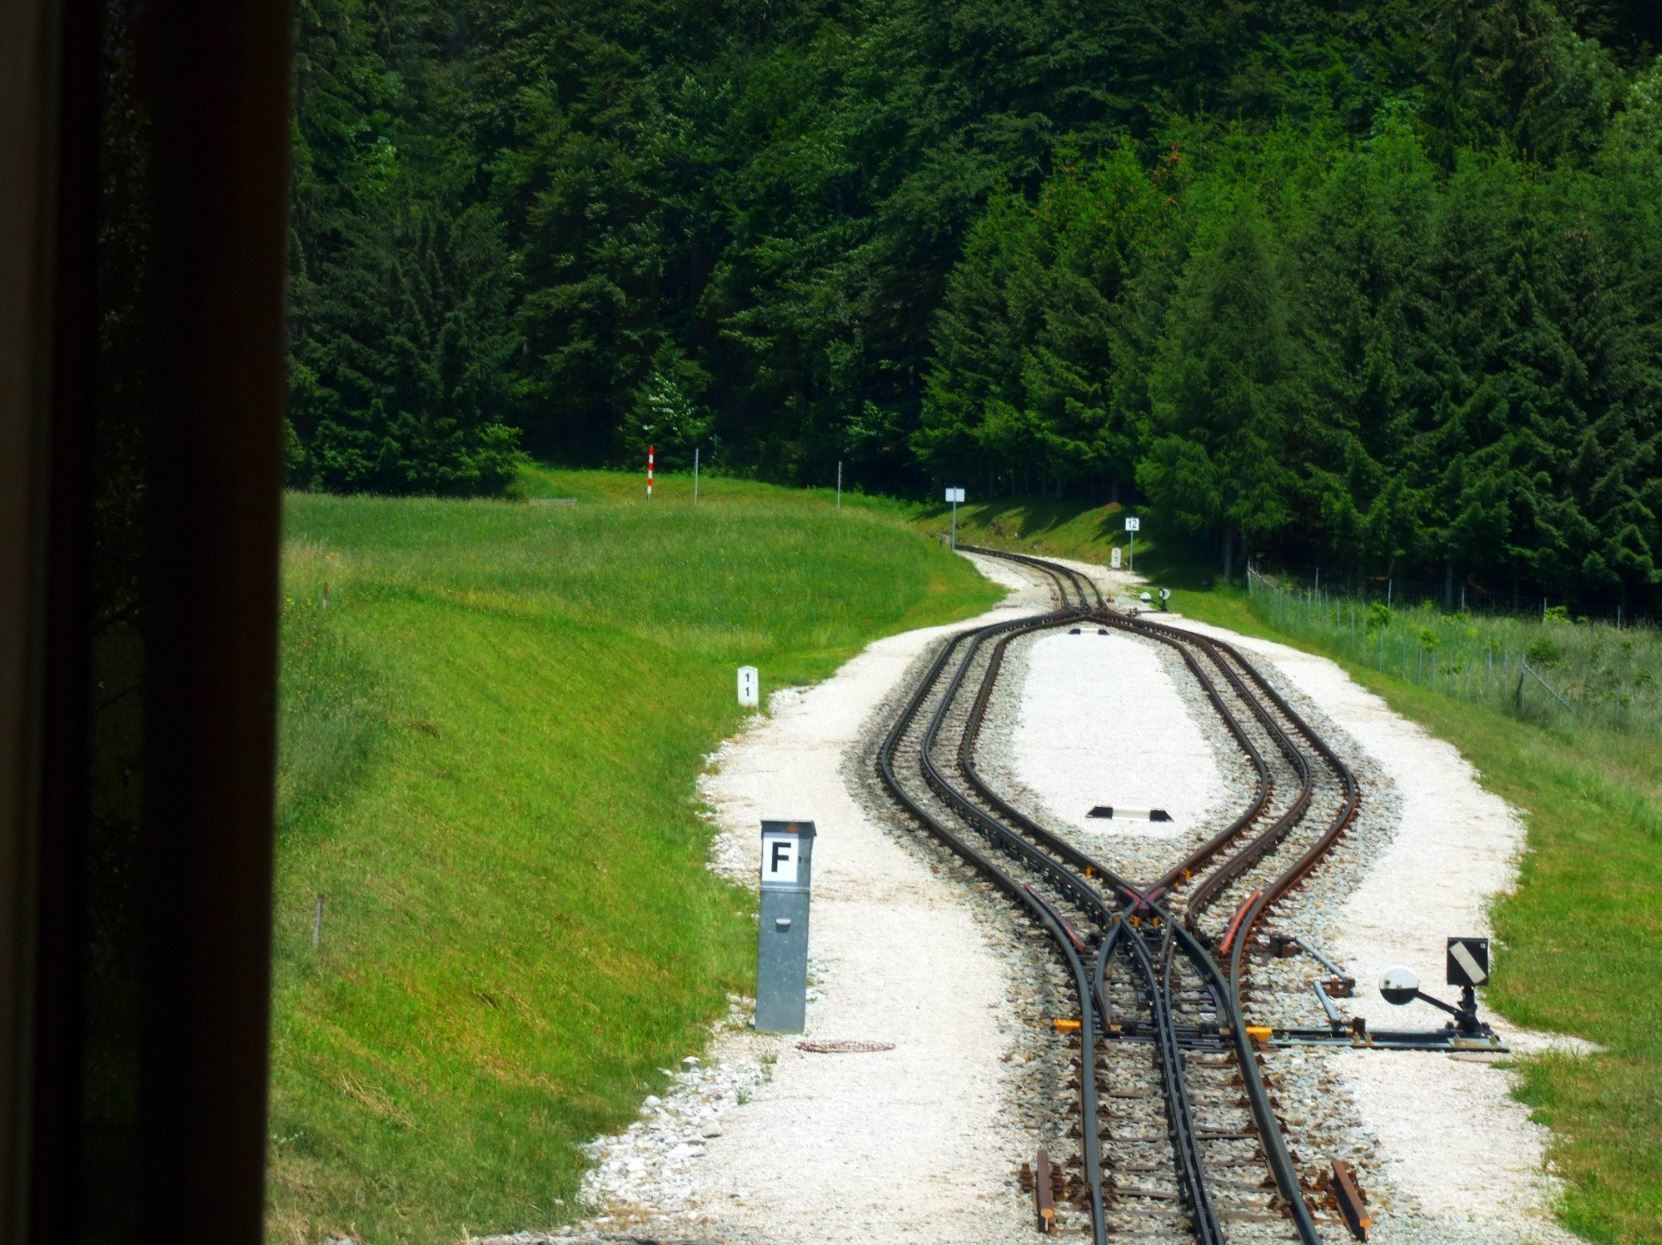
(1101, 723)
(768, 1142)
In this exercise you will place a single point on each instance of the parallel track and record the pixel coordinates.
(1141, 956)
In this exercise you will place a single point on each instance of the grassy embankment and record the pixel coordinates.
(1581, 939)
(492, 719)
(1554, 671)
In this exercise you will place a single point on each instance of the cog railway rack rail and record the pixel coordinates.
(1177, 1133)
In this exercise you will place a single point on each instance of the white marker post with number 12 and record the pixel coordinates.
(1133, 525)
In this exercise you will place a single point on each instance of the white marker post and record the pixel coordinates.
(955, 495)
(1133, 525)
(1114, 558)
(749, 688)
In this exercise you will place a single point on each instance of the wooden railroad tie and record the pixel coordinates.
(1044, 1197)
(1349, 1196)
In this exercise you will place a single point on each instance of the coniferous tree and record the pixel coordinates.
(1367, 313)
(1090, 225)
(1223, 389)
(977, 342)
(413, 393)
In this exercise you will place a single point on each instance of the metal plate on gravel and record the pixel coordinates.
(843, 1046)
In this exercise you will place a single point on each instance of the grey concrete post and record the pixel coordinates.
(782, 941)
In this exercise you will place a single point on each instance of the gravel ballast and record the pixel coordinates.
(1110, 731)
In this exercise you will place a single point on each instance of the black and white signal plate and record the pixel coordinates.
(1468, 961)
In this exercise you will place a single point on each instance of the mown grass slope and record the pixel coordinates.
(1580, 940)
(492, 718)
(1551, 669)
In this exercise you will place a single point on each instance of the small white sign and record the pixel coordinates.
(955, 494)
(779, 859)
(1133, 524)
(1114, 558)
(749, 687)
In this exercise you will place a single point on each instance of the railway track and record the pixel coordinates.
(1177, 1136)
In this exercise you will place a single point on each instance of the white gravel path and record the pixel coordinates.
(907, 1144)
(1102, 723)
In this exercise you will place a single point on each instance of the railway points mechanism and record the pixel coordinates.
(1179, 1134)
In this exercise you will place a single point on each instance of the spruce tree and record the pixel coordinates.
(1224, 391)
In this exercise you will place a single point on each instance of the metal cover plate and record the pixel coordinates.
(843, 1046)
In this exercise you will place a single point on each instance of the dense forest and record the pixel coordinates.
(1375, 282)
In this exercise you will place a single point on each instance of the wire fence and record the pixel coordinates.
(1551, 666)
(1456, 596)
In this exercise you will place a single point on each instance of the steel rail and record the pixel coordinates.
(1261, 844)
(1084, 895)
(1265, 788)
(1054, 843)
(1061, 577)
(1278, 829)
(1184, 1135)
(1226, 982)
(1083, 861)
(1273, 892)
(1190, 1168)
(1207, 1227)
(1089, 1128)
(1186, 1147)
(1089, 594)
(1185, 1144)
(1072, 884)
(1222, 653)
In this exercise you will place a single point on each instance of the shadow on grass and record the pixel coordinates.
(1018, 520)
(1181, 563)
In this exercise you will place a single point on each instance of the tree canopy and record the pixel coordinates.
(1375, 283)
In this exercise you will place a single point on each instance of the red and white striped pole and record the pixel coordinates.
(651, 452)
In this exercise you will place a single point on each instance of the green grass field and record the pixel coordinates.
(490, 734)
(1560, 670)
(1580, 942)
(492, 719)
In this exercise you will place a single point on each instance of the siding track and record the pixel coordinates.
(1178, 1139)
